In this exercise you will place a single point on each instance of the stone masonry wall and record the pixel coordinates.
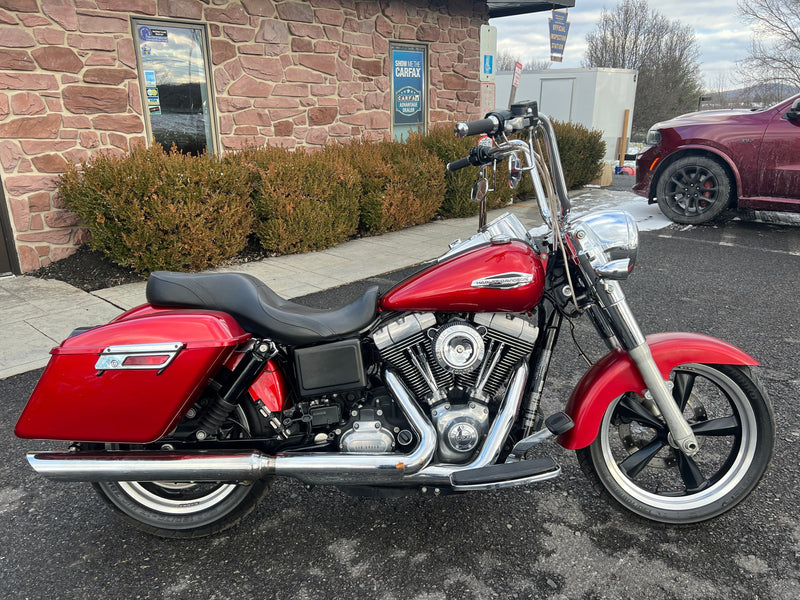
(288, 72)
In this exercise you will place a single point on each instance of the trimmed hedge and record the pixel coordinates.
(581, 151)
(303, 200)
(401, 184)
(153, 210)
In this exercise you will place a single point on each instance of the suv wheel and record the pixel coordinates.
(694, 190)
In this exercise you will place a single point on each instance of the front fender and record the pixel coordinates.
(616, 374)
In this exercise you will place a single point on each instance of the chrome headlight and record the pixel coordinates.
(608, 239)
(653, 138)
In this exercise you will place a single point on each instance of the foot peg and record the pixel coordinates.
(559, 423)
(555, 424)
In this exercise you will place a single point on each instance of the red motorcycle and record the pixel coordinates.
(181, 411)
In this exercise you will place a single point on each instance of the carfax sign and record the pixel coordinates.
(408, 89)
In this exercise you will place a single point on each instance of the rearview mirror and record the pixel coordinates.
(514, 171)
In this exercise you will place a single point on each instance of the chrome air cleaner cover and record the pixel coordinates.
(458, 347)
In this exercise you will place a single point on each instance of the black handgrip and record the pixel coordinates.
(488, 126)
(478, 156)
(458, 164)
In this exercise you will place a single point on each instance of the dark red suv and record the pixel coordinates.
(697, 165)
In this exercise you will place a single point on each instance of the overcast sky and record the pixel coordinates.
(722, 36)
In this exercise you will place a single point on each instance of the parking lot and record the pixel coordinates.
(736, 281)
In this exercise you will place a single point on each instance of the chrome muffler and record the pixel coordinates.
(151, 466)
(335, 469)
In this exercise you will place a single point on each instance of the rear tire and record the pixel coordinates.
(694, 190)
(189, 509)
(632, 463)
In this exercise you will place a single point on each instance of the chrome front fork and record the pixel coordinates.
(633, 341)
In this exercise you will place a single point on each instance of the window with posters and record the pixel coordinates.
(409, 89)
(174, 79)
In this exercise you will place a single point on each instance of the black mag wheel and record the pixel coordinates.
(694, 190)
(185, 509)
(632, 462)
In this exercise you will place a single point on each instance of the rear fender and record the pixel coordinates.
(616, 374)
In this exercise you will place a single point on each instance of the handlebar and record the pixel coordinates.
(522, 116)
(478, 156)
(489, 126)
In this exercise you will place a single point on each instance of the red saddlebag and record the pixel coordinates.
(131, 380)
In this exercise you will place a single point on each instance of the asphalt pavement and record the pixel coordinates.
(554, 540)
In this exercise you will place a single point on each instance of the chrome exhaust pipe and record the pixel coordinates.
(336, 469)
(151, 466)
(349, 469)
(439, 474)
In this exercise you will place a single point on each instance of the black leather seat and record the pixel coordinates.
(258, 309)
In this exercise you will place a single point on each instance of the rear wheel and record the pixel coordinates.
(694, 190)
(632, 462)
(185, 509)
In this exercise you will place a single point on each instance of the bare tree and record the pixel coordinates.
(634, 36)
(718, 93)
(775, 48)
(506, 61)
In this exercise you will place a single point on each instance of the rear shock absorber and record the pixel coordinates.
(244, 374)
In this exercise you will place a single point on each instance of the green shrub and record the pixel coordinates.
(581, 151)
(402, 184)
(153, 210)
(303, 200)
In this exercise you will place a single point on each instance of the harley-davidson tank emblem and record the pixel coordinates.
(504, 281)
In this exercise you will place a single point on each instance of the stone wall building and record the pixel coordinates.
(82, 76)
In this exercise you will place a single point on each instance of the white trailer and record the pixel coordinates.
(595, 98)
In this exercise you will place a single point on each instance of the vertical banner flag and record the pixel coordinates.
(559, 27)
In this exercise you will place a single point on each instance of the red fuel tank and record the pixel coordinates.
(493, 278)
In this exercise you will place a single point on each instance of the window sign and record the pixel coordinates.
(409, 94)
(173, 67)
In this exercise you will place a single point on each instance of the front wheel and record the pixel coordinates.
(632, 462)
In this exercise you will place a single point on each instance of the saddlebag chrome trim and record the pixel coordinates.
(114, 358)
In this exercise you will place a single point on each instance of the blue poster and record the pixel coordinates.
(408, 75)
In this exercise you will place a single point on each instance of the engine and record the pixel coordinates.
(460, 367)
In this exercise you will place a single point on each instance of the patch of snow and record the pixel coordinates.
(648, 217)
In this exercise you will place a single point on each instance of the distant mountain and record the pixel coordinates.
(766, 92)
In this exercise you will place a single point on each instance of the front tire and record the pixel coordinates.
(175, 509)
(632, 463)
(694, 190)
